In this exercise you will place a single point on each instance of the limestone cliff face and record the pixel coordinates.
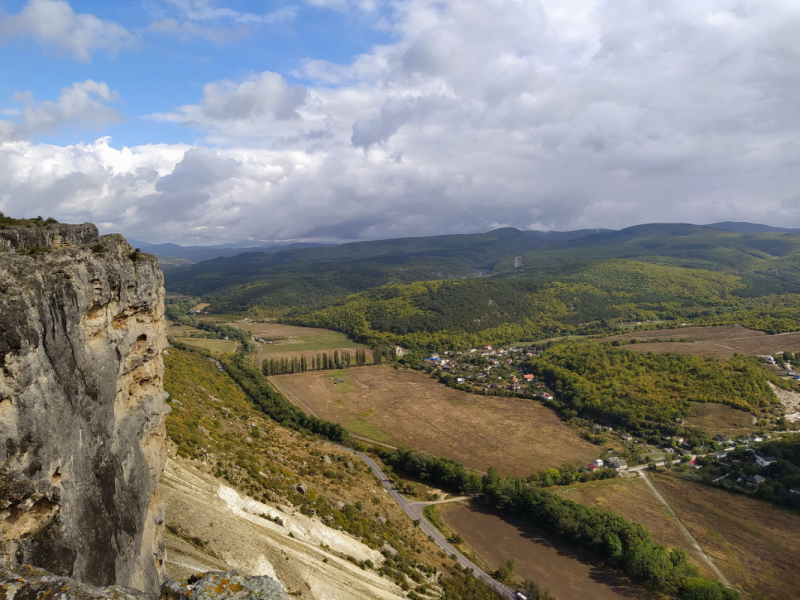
(82, 439)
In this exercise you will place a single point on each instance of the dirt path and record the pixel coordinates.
(790, 401)
(689, 537)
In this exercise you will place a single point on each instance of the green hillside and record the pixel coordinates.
(583, 298)
(763, 263)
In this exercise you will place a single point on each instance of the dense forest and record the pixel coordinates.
(645, 393)
(764, 264)
(589, 298)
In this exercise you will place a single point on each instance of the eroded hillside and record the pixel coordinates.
(243, 492)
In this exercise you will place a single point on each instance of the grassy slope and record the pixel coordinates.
(275, 459)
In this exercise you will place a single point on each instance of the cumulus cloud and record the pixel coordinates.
(84, 105)
(55, 26)
(553, 113)
(249, 107)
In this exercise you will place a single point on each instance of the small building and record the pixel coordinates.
(755, 480)
(765, 461)
(528, 377)
(618, 463)
(626, 437)
(523, 594)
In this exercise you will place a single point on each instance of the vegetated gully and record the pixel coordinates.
(413, 509)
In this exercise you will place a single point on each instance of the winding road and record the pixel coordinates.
(414, 510)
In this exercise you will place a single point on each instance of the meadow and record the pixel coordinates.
(401, 407)
(752, 542)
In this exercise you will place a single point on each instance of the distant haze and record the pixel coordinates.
(211, 121)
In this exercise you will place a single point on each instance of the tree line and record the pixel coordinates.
(321, 361)
(271, 402)
(619, 542)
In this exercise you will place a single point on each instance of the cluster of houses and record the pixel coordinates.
(489, 368)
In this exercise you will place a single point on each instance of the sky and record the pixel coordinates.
(213, 121)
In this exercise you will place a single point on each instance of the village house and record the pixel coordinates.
(618, 463)
(764, 461)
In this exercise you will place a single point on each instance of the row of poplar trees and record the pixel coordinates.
(318, 362)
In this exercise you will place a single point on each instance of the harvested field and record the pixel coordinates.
(405, 407)
(720, 418)
(713, 342)
(567, 571)
(631, 498)
(753, 543)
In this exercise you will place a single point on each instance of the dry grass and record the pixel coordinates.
(713, 342)
(565, 570)
(631, 498)
(406, 407)
(720, 418)
(755, 544)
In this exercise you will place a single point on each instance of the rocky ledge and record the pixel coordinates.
(29, 583)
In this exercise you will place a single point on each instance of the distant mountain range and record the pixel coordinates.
(769, 260)
(173, 255)
(739, 227)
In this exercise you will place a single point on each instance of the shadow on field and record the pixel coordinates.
(567, 570)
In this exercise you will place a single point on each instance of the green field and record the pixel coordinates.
(367, 430)
(210, 344)
(312, 342)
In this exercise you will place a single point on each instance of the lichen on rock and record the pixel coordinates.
(218, 585)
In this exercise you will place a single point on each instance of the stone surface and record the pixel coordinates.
(218, 585)
(28, 583)
(82, 439)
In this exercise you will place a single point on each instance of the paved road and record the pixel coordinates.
(414, 510)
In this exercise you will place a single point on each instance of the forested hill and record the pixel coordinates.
(314, 276)
(584, 299)
(764, 263)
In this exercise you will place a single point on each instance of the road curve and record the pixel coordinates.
(414, 510)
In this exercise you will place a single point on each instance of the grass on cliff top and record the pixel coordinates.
(36, 222)
(213, 421)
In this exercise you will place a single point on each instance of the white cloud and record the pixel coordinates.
(84, 105)
(255, 106)
(569, 113)
(55, 26)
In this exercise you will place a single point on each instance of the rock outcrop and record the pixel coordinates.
(82, 438)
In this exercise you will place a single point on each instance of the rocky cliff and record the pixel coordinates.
(82, 440)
